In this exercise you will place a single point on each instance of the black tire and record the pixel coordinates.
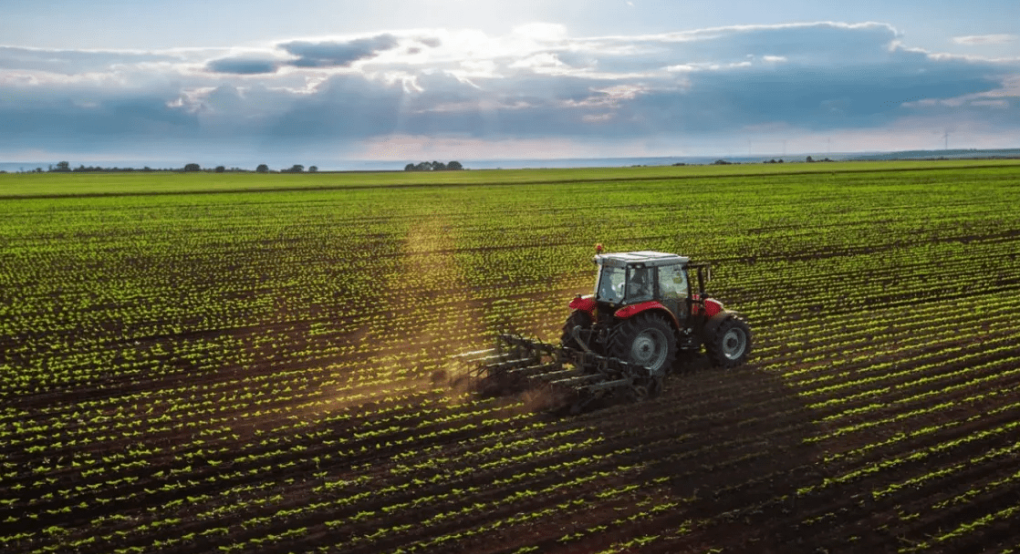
(730, 345)
(647, 340)
(577, 317)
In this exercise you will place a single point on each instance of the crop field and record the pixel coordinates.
(263, 363)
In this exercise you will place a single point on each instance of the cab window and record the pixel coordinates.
(673, 282)
(610, 285)
(640, 284)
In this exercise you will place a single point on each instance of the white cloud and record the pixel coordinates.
(544, 62)
(974, 40)
(998, 97)
(1000, 104)
(541, 32)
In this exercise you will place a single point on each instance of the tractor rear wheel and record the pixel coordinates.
(647, 340)
(578, 317)
(731, 344)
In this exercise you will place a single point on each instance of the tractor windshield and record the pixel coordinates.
(610, 285)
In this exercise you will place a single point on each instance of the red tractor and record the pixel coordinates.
(645, 312)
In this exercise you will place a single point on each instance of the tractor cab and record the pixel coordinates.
(646, 307)
(630, 278)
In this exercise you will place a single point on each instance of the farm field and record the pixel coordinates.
(264, 366)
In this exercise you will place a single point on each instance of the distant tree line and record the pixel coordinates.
(65, 167)
(434, 166)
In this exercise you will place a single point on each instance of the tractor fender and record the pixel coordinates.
(710, 308)
(584, 303)
(713, 323)
(635, 309)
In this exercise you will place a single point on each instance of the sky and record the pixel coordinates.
(325, 82)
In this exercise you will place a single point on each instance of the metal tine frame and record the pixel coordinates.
(522, 363)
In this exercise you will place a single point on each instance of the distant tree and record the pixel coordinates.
(220, 169)
(809, 160)
(192, 167)
(312, 169)
(296, 168)
(434, 166)
(262, 168)
(721, 162)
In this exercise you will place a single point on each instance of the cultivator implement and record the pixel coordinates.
(566, 378)
(620, 341)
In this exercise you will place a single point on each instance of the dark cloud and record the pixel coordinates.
(337, 54)
(243, 66)
(55, 119)
(810, 97)
(348, 106)
(810, 44)
(816, 43)
(431, 42)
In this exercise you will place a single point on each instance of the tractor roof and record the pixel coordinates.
(644, 258)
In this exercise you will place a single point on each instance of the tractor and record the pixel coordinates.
(648, 312)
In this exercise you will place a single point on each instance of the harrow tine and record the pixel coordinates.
(572, 382)
(498, 357)
(559, 374)
(609, 385)
(475, 353)
(509, 364)
(535, 370)
(562, 378)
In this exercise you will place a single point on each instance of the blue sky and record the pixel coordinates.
(320, 82)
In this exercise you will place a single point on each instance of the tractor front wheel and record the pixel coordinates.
(647, 340)
(731, 344)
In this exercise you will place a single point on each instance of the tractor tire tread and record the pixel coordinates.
(714, 347)
(625, 333)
